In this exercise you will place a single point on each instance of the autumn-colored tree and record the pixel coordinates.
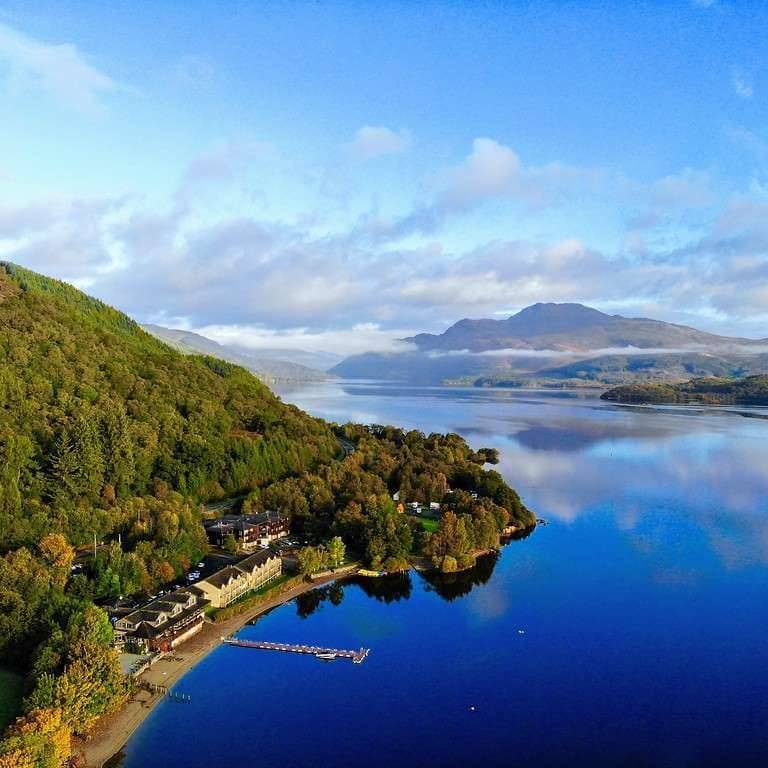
(108, 495)
(311, 560)
(91, 682)
(59, 555)
(40, 739)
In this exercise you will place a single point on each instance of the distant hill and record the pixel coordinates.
(561, 343)
(752, 390)
(320, 360)
(268, 368)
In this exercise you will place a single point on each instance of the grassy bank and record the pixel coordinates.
(429, 524)
(10, 697)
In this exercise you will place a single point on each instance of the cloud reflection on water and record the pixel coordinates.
(571, 456)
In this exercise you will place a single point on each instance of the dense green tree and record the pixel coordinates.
(230, 544)
(337, 551)
(312, 559)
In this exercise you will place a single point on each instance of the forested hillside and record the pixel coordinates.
(108, 434)
(751, 390)
(95, 409)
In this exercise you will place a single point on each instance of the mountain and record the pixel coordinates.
(556, 343)
(267, 368)
(320, 360)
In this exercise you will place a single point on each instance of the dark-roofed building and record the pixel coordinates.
(250, 531)
(164, 623)
(234, 581)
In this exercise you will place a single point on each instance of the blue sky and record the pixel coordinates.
(340, 174)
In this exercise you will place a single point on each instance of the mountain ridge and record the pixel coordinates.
(268, 369)
(536, 342)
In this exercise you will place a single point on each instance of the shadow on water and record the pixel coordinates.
(386, 589)
(116, 760)
(451, 586)
(399, 586)
(309, 602)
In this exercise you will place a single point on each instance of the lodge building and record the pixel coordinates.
(168, 621)
(164, 623)
(235, 581)
(250, 531)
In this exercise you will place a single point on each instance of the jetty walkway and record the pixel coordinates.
(310, 650)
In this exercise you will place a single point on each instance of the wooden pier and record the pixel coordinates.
(310, 650)
(164, 690)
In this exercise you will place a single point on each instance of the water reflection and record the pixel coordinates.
(399, 586)
(629, 631)
(451, 586)
(386, 589)
(309, 602)
(571, 455)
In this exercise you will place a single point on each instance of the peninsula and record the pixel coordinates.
(751, 390)
(112, 442)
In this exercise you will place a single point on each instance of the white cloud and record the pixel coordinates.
(256, 276)
(363, 337)
(494, 170)
(60, 70)
(376, 140)
(742, 84)
(225, 161)
(70, 238)
(581, 354)
(689, 188)
(491, 169)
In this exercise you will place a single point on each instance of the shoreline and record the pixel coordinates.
(115, 730)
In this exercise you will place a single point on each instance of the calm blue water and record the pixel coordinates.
(643, 605)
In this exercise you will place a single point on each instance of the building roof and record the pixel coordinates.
(243, 521)
(143, 614)
(224, 576)
(264, 517)
(148, 632)
(240, 568)
(180, 596)
(255, 560)
(164, 605)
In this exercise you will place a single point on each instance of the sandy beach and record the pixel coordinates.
(113, 732)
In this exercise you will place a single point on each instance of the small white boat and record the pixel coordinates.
(326, 656)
